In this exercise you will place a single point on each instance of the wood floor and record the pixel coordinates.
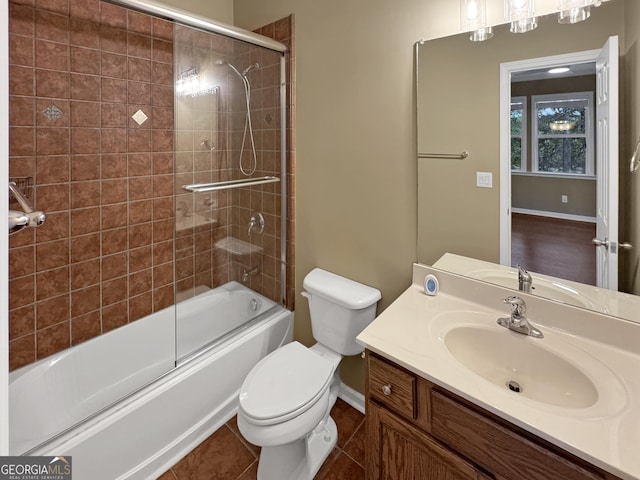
(556, 247)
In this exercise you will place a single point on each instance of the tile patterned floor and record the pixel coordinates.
(226, 455)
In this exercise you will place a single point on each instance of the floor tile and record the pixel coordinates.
(344, 468)
(233, 425)
(226, 455)
(167, 476)
(222, 456)
(347, 418)
(355, 447)
(250, 473)
(328, 463)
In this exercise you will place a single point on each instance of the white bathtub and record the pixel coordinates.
(144, 434)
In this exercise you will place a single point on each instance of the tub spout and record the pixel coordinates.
(247, 274)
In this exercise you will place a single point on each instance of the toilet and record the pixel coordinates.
(286, 399)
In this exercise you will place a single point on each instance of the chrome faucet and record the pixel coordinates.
(524, 280)
(517, 321)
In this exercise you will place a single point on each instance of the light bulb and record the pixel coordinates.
(518, 9)
(472, 11)
(473, 15)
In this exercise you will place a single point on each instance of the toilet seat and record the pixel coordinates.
(284, 384)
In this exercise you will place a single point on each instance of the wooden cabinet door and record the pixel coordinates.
(398, 451)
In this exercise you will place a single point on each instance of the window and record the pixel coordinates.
(518, 133)
(563, 133)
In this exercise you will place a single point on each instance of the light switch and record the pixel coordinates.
(484, 179)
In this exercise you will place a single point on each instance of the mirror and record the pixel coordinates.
(458, 110)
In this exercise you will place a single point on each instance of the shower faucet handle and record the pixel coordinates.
(256, 223)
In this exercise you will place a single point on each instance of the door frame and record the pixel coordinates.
(506, 69)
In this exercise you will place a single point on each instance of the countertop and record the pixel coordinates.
(410, 333)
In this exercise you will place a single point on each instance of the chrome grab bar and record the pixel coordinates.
(228, 184)
(455, 156)
(29, 218)
(17, 220)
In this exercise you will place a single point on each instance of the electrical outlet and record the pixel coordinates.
(565, 199)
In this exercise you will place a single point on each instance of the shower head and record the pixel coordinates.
(250, 67)
(220, 63)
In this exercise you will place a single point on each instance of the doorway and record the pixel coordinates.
(550, 200)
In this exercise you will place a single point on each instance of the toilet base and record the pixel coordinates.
(299, 460)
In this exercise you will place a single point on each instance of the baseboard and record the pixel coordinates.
(352, 397)
(562, 216)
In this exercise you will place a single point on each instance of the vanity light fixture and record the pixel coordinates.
(574, 11)
(481, 34)
(473, 18)
(562, 125)
(521, 14)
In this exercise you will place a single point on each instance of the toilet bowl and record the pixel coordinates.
(286, 399)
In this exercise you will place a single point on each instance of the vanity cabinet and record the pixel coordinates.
(417, 430)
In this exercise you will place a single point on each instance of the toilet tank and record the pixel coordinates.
(340, 309)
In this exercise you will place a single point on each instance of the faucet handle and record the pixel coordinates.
(518, 307)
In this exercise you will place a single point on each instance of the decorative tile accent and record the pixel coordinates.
(52, 112)
(268, 119)
(139, 117)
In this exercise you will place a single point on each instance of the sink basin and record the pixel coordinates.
(554, 290)
(521, 365)
(554, 372)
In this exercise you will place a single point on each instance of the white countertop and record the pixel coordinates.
(410, 332)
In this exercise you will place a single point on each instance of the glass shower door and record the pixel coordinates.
(227, 185)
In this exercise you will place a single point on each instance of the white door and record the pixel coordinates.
(606, 240)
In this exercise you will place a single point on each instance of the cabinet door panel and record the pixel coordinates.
(496, 448)
(405, 453)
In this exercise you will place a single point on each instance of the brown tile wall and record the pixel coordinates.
(108, 253)
(104, 257)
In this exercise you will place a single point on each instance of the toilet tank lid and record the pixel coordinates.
(340, 290)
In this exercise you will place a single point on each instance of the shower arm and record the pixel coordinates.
(35, 217)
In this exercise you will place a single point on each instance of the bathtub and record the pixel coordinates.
(141, 435)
